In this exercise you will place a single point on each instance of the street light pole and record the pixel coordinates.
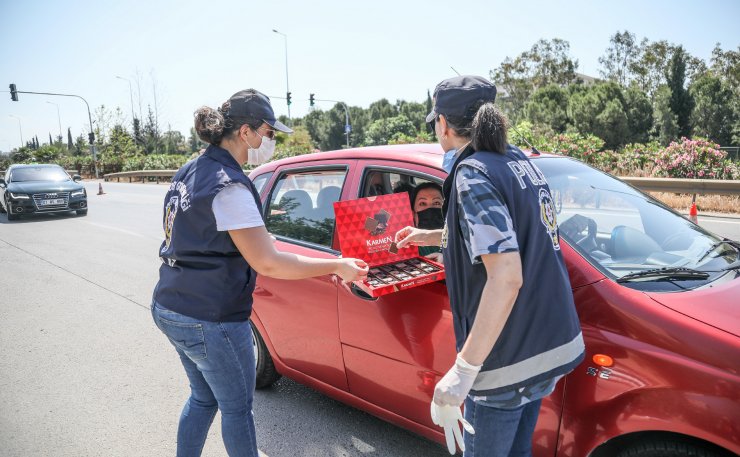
(19, 126)
(131, 95)
(59, 119)
(287, 83)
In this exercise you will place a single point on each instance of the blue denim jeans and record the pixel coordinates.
(219, 361)
(500, 432)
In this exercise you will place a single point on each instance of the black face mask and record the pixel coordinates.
(430, 218)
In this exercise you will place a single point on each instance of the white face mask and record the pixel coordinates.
(263, 153)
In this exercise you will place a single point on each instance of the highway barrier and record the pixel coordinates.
(672, 185)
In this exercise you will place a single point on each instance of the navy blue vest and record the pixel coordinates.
(542, 337)
(203, 275)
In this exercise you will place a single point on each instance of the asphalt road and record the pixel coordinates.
(85, 372)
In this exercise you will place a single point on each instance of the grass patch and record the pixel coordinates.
(710, 203)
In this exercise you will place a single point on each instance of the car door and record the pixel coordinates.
(396, 346)
(300, 317)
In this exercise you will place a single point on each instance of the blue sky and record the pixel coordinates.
(198, 53)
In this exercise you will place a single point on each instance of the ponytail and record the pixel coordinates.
(489, 129)
(213, 125)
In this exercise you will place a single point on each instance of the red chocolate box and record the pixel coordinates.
(366, 228)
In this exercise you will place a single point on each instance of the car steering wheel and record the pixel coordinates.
(574, 227)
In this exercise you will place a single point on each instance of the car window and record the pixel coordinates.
(382, 182)
(39, 174)
(301, 205)
(260, 181)
(621, 230)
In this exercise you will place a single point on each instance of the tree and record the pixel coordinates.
(547, 62)
(665, 124)
(681, 102)
(50, 140)
(194, 143)
(639, 115)
(620, 58)
(70, 143)
(600, 110)
(173, 142)
(151, 138)
(381, 109)
(713, 116)
(649, 69)
(382, 131)
(548, 106)
(726, 66)
(327, 127)
(415, 112)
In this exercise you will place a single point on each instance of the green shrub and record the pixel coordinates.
(697, 158)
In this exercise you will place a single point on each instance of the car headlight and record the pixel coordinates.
(18, 196)
(77, 193)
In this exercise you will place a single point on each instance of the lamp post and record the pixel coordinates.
(131, 96)
(59, 119)
(19, 126)
(287, 84)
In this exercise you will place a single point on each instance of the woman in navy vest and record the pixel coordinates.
(516, 327)
(215, 245)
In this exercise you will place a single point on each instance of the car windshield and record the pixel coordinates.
(38, 174)
(622, 231)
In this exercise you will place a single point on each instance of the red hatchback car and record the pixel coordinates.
(658, 298)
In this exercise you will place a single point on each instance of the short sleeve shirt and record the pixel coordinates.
(234, 208)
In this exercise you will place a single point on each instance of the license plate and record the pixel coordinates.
(54, 201)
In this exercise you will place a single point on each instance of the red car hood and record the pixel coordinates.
(718, 306)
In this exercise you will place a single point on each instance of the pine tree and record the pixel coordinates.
(51, 142)
(70, 143)
(681, 101)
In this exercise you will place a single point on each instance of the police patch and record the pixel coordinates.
(170, 212)
(547, 216)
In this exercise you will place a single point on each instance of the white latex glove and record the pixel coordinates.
(447, 417)
(452, 389)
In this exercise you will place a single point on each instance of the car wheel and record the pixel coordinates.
(662, 448)
(267, 375)
(82, 212)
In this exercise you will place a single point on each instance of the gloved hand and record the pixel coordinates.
(447, 417)
(449, 394)
(452, 389)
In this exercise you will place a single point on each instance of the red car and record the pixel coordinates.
(658, 298)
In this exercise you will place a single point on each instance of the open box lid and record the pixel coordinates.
(366, 228)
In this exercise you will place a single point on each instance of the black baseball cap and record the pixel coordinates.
(253, 103)
(455, 96)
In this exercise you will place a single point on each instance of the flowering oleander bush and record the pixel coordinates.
(585, 148)
(638, 159)
(697, 158)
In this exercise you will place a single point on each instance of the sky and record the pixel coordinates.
(186, 54)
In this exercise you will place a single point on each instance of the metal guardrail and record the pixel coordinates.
(143, 174)
(686, 186)
(673, 185)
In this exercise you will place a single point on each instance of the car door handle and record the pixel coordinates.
(359, 293)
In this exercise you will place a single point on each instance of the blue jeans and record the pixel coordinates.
(219, 360)
(500, 432)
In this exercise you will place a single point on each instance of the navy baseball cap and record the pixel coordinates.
(456, 96)
(252, 103)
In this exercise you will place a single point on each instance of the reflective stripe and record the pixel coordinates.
(521, 371)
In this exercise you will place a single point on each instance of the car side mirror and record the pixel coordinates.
(76, 178)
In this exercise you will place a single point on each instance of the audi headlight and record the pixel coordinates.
(18, 196)
(77, 193)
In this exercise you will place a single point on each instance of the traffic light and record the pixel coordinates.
(311, 99)
(13, 93)
(288, 98)
(91, 137)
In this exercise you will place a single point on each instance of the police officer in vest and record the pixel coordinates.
(516, 327)
(215, 245)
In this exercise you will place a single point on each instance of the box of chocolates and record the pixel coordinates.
(366, 229)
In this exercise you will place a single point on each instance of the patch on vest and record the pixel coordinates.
(170, 211)
(547, 216)
(443, 244)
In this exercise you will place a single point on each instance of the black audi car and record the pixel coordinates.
(30, 189)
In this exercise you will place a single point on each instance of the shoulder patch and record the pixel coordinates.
(548, 218)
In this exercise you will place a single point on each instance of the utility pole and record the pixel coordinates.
(287, 83)
(347, 126)
(59, 119)
(131, 96)
(20, 129)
